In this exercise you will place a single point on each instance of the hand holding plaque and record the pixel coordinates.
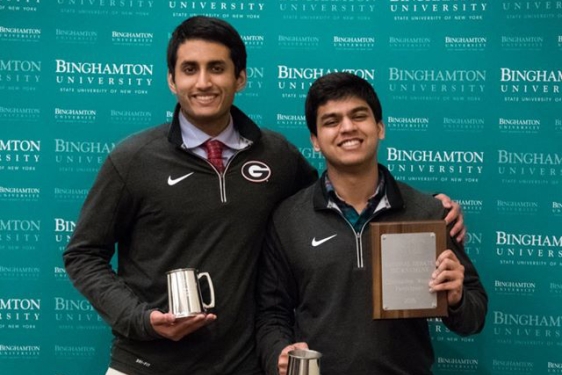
(404, 255)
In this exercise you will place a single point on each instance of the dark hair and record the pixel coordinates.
(338, 86)
(211, 30)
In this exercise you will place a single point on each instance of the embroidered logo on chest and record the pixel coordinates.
(173, 181)
(256, 171)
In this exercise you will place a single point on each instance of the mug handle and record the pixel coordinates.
(211, 289)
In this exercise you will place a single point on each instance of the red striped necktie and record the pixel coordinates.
(214, 153)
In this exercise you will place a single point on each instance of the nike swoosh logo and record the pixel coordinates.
(320, 242)
(173, 181)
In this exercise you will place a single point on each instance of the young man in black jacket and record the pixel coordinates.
(166, 207)
(315, 283)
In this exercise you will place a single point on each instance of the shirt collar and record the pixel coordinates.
(332, 192)
(377, 201)
(194, 137)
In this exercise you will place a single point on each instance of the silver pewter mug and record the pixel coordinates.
(184, 292)
(304, 362)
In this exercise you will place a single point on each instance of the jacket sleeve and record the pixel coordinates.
(105, 218)
(469, 316)
(276, 298)
(306, 174)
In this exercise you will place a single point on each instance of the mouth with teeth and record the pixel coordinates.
(205, 98)
(350, 143)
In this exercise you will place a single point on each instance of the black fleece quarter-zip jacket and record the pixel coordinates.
(315, 285)
(165, 208)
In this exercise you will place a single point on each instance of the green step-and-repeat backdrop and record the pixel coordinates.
(472, 98)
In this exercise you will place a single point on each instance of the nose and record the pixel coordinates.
(203, 79)
(347, 124)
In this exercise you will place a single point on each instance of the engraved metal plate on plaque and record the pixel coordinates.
(403, 259)
(409, 260)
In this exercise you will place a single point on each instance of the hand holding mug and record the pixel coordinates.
(283, 360)
(168, 326)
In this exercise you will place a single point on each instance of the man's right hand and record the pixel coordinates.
(283, 361)
(175, 329)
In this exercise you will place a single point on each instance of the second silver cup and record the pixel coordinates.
(304, 362)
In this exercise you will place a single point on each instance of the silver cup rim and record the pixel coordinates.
(182, 270)
(304, 354)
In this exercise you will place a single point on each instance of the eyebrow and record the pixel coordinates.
(211, 63)
(352, 112)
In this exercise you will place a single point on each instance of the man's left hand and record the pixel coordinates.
(448, 276)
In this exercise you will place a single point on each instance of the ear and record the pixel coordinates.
(171, 83)
(382, 128)
(314, 141)
(241, 81)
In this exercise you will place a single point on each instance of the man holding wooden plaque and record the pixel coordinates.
(353, 265)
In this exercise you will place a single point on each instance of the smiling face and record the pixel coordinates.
(347, 134)
(205, 83)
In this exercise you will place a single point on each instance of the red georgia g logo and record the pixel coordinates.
(256, 171)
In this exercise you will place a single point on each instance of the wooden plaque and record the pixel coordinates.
(403, 259)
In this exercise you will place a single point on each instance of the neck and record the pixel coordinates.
(355, 188)
(213, 127)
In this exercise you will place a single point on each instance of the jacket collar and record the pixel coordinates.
(321, 199)
(242, 123)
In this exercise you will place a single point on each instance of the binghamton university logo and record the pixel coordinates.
(529, 330)
(75, 116)
(19, 314)
(335, 10)
(11, 193)
(132, 38)
(23, 75)
(402, 43)
(531, 9)
(529, 168)
(516, 288)
(19, 154)
(20, 34)
(508, 366)
(437, 84)
(465, 43)
(84, 77)
(531, 85)
(254, 41)
(354, 43)
(19, 234)
(76, 314)
(522, 43)
(519, 125)
(24, 114)
(81, 156)
(74, 351)
(125, 116)
(403, 123)
(438, 10)
(76, 36)
(241, 9)
(435, 165)
(528, 249)
(294, 82)
(122, 8)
